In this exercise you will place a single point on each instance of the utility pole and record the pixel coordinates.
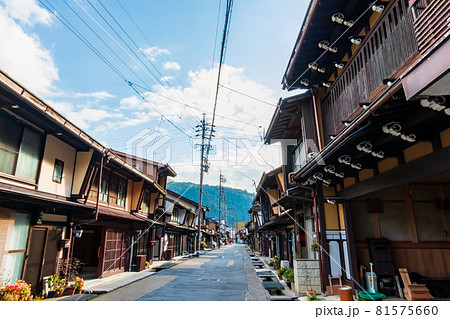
(225, 213)
(234, 224)
(221, 180)
(201, 130)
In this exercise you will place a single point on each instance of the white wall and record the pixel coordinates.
(55, 148)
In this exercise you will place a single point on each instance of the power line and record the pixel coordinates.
(249, 96)
(74, 30)
(221, 60)
(142, 53)
(146, 69)
(143, 35)
(222, 54)
(215, 45)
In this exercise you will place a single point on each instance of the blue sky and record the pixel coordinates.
(173, 60)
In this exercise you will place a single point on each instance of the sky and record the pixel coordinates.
(138, 75)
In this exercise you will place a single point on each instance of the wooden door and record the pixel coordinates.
(115, 253)
(41, 258)
(34, 258)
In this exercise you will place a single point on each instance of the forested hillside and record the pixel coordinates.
(238, 199)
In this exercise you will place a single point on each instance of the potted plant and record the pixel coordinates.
(315, 246)
(312, 297)
(280, 272)
(271, 264)
(59, 287)
(21, 291)
(147, 265)
(56, 286)
(79, 283)
(289, 277)
(309, 290)
(276, 262)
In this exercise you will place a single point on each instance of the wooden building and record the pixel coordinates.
(372, 132)
(64, 195)
(181, 229)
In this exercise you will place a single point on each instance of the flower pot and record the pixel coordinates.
(78, 291)
(70, 291)
(310, 292)
(280, 277)
(289, 284)
(58, 294)
(50, 294)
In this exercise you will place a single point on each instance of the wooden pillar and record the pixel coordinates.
(410, 213)
(446, 212)
(354, 273)
(325, 251)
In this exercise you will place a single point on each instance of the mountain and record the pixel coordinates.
(236, 198)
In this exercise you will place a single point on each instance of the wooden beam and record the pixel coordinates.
(376, 224)
(430, 165)
(325, 250)
(410, 213)
(354, 273)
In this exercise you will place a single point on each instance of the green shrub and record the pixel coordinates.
(276, 261)
(289, 275)
(282, 271)
(312, 297)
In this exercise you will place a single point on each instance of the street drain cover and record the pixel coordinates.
(208, 279)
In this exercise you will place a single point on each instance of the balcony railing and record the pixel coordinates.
(388, 45)
(432, 23)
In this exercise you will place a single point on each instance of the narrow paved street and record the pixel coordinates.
(225, 274)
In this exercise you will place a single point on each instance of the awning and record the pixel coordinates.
(281, 220)
(351, 155)
(19, 198)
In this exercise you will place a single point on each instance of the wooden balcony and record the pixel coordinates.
(432, 24)
(387, 46)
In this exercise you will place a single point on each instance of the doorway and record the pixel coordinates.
(41, 259)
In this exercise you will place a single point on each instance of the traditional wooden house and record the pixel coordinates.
(129, 209)
(378, 106)
(273, 223)
(209, 232)
(181, 229)
(38, 176)
(64, 195)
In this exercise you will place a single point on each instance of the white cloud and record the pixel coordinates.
(249, 156)
(101, 95)
(27, 12)
(23, 56)
(84, 117)
(167, 78)
(171, 66)
(153, 52)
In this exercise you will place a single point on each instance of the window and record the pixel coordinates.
(58, 171)
(17, 246)
(117, 190)
(19, 149)
(146, 202)
(299, 157)
(104, 187)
